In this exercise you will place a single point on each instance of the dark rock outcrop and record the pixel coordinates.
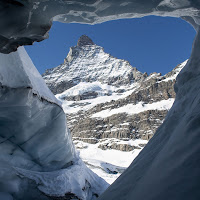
(84, 40)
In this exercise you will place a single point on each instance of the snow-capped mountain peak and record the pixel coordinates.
(110, 104)
(88, 62)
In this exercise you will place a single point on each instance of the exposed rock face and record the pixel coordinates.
(97, 77)
(142, 125)
(121, 147)
(84, 40)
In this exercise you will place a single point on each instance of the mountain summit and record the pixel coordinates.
(90, 63)
(84, 40)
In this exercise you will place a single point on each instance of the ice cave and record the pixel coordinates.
(37, 156)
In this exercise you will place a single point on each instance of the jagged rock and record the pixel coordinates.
(84, 40)
(121, 147)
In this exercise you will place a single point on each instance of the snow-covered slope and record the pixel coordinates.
(89, 63)
(109, 164)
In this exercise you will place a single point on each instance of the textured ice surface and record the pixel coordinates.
(76, 179)
(167, 168)
(33, 129)
(33, 132)
(5, 196)
(37, 156)
(17, 70)
(31, 20)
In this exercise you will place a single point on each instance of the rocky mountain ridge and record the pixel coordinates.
(89, 63)
(105, 97)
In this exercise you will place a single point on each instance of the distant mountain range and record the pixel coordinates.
(106, 100)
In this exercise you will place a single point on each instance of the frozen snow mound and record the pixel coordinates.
(34, 138)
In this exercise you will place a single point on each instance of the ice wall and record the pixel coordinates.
(37, 156)
(167, 168)
(33, 132)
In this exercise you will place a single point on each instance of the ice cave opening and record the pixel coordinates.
(41, 163)
(112, 114)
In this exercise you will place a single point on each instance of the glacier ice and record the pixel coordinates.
(33, 132)
(17, 70)
(34, 139)
(76, 179)
(31, 20)
(167, 168)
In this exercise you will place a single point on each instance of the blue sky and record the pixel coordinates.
(152, 44)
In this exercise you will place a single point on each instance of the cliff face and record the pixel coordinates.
(105, 97)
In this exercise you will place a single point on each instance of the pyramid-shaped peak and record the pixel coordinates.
(84, 40)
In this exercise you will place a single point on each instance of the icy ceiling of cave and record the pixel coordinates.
(30, 20)
(30, 143)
